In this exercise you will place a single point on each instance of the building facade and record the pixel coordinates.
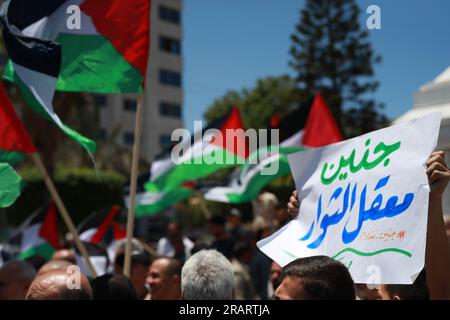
(434, 96)
(163, 92)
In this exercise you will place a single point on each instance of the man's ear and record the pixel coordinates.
(396, 297)
(176, 279)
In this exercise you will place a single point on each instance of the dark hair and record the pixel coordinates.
(416, 291)
(258, 234)
(113, 287)
(142, 258)
(200, 245)
(241, 248)
(36, 261)
(217, 220)
(323, 278)
(81, 294)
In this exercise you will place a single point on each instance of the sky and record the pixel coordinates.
(228, 45)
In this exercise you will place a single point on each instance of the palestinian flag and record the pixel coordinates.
(245, 184)
(14, 143)
(150, 203)
(14, 139)
(94, 228)
(208, 151)
(100, 233)
(35, 60)
(98, 256)
(39, 234)
(11, 185)
(104, 46)
(305, 127)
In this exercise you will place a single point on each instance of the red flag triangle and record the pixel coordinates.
(13, 136)
(49, 228)
(321, 128)
(126, 25)
(105, 225)
(233, 123)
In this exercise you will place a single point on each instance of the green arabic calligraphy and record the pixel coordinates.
(384, 150)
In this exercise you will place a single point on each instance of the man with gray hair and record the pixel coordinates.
(207, 275)
(15, 280)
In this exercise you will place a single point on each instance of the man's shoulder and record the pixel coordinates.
(162, 243)
(188, 242)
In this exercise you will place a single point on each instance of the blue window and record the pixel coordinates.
(170, 109)
(128, 138)
(102, 135)
(170, 78)
(164, 140)
(130, 105)
(169, 14)
(100, 100)
(169, 45)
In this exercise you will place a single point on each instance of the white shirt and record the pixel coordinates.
(165, 248)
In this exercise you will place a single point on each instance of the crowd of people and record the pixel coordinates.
(230, 266)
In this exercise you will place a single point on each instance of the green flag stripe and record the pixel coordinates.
(169, 199)
(258, 181)
(92, 64)
(45, 250)
(190, 171)
(11, 185)
(11, 157)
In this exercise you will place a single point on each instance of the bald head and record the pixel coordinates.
(15, 279)
(54, 265)
(66, 255)
(19, 269)
(60, 285)
(164, 279)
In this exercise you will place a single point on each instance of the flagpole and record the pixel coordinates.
(133, 183)
(64, 213)
(203, 206)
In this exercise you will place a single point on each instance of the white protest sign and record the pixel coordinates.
(364, 202)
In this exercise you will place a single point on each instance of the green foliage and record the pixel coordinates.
(332, 54)
(271, 95)
(82, 190)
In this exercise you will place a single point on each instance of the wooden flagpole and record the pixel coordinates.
(64, 213)
(203, 206)
(133, 183)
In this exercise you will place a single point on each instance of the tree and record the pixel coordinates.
(271, 95)
(330, 53)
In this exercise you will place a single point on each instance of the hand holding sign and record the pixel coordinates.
(293, 205)
(437, 257)
(438, 173)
